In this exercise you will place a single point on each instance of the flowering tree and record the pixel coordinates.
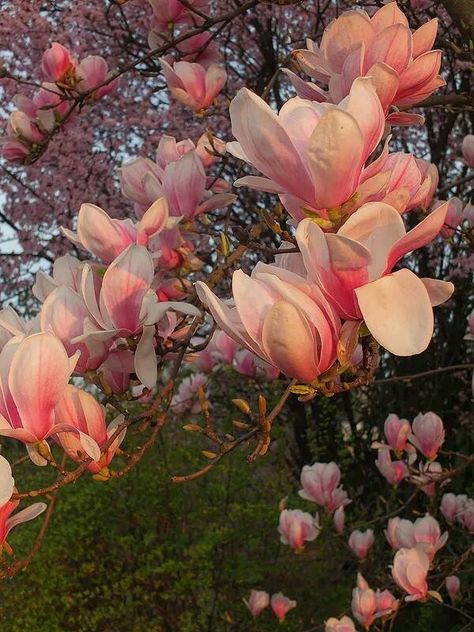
(334, 280)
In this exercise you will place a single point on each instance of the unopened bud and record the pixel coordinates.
(242, 405)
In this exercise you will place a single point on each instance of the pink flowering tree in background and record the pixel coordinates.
(249, 223)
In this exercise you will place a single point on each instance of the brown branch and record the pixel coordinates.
(415, 376)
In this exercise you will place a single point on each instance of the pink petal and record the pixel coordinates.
(397, 311)
(392, 46)
(438, 291)
(424, 37)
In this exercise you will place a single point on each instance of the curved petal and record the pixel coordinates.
(392, 46)
(29, 513)
(398, 313)
(438, 291)
(100, 234)
(145, 358)
(336, 158)
(7, 482)
(424, 37)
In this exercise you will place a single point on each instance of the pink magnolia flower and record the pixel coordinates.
(386, 603)
(186, 397)
(193, 85)
(466, 515)
(12, 325)
(402, 65)
(339, 519)
(281, 318)
(364, 604)
(81, 410)
(424, 533)
(410, 569)
(454, 216)
(345, 624)
(281, 605)
(392, 471)
(311, 155)
(257, 602)
(297, 527)
(453, 584)
(8, 522)
(178, 175)
(247, 363)
(320, 483)
(452, 505)
(428, 434)
(107, 238)
(34, 373)
(67, 270)
(14, 150)
(57, 62)
(25, 128)
(397, 432)
(361, 542)
(468, 149)
(353, 267)
(91, 73)
(126, 305)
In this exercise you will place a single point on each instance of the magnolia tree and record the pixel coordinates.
(134, 273)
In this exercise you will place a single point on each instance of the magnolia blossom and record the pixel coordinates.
(81, 410)
(345, 624)
(354, 269)
(386, 603)
(466, 515)
(166, 13)
(453, 584)
(107, 238)
(410, 569)
(297, 527)
(392, 471)
(468, 149)
(281, 318)
(364, 603)
(430, 473)
(125, 305)
(27, 413)
(57, 62)
(281, 605)
(314, 156)
(361, 541)
(257, 601)
(397, 432)
(452, 505)
(428, 434)
(193, 85)
(320, 483)
(454, 216)
(186, 397)
(402, 65)
(178, 175)
(424, 533)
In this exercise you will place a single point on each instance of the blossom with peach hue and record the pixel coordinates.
(396, 432)
(364, 604)
(257, 602)
(281, 605)
(178, 175)
(12, 325)
(468, 149)
(8, 522)
(386, 603)
(281, 318)
(410, 569)
(125, 305)
(320, 483)
(193, 85)
(297, 527)
(454, 216)
(186, 397)
(361, 542)
(107, 238)
(339, 519)
(427, 434)
(451, 505)
(116, 370)
(81, 410)
(34, 373)
(392, 471)
(57, 62)
(354, 269)
(91, 72)
(453, 584)
(166, 13)
(430, 473)
(424, 533)
(67, 271)
(345, 624)
(402, 65)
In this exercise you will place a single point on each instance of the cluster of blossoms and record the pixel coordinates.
(194, 77)
(426, 435)
(259, 600)
(36, 118)
(458, 508)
